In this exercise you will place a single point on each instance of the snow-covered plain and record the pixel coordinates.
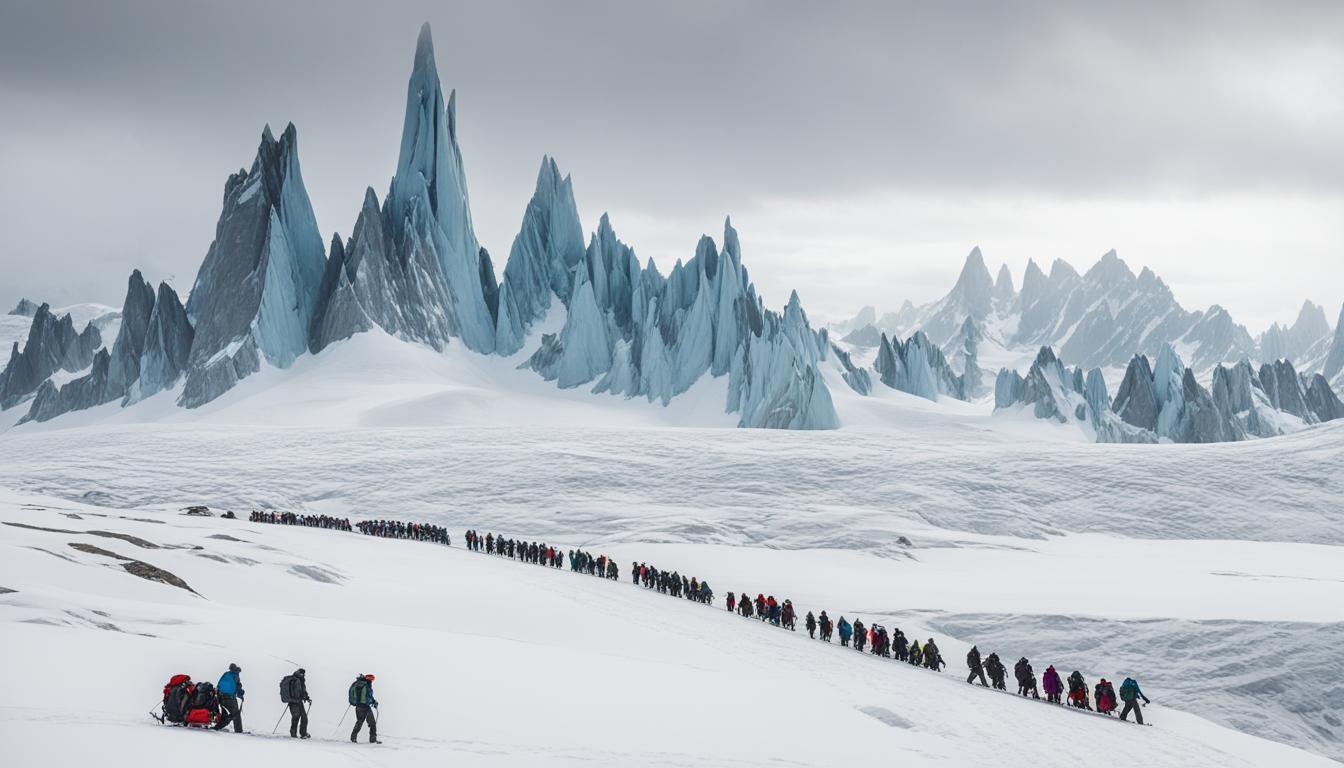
(1210, 572)
(482, 661)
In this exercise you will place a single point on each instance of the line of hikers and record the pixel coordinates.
(671, 583)
(307, 521)
(203, 705)
(541, 554)
(387, 529)
(876, 638)
(395, 529)
(1104, 692)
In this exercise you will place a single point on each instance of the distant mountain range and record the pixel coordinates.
(1106, 318)
(269, 292)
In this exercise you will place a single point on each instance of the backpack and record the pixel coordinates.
(286, 686)
(1129, 690)
(176, 698)
(359, 692)
(204, 697)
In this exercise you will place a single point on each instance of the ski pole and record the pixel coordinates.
(277, 721)
(342, 720)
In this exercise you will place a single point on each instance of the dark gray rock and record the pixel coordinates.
(857, 378)
(167, 347)
(258, 285)
(220, 374)
(130, 344)
(1322, 401)
(84, 392)
(52, 345)
(1136, 402)
(1284, 388)
(24, 308)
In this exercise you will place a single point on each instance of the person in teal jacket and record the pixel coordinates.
(845, 631)
(230, 690)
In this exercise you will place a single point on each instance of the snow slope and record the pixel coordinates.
(480, 661)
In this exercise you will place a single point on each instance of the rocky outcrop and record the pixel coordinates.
(1284, 388)
(136, 311)
(866, 336)
(1065, 395)
(24, 308)
(52, 345)
(1334, 360)
(258, 286)
(917, 366)
(1322, 401)
(167, 347)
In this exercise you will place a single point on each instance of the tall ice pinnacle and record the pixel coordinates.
(428, 198)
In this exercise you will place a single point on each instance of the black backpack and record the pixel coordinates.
(286, 689)
(204, 697)
(177, 702)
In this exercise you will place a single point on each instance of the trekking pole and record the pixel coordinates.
(277, 721)
(342, 720)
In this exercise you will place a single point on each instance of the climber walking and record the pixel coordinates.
(1130, 694)
(811, 623)
(977, 667)
(1054, 687)
(230, 690)
(294, 694)
(361, 697)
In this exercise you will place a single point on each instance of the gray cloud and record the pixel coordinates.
(123, 120)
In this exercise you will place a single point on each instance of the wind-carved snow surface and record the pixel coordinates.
(68, 604)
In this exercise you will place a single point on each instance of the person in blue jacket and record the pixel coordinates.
(230, 690)
(845, 631)
(1130, 694)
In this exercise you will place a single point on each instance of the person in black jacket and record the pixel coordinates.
(294, 692)
(977, 668)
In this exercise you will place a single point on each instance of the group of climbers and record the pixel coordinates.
(307, 521)
(671, 583)
(1104, 692)
(203, 705)
(395, 529)
(876, 639)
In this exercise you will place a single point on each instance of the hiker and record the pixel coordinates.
(1105, 697)
(1130, 694)
(294, 693)
(997, 672)
(788, 616)
(1078, 691)
(774, 609)
(744, 606)
(900, 646)
(916, 654)
(230, 691)
(1026, 678)
(860, 635)
(977, 668)
(845, 631)
(932, 659)
(826, 626)
(361, 697)
(732, 602)
(811, 623)
(1054, 687)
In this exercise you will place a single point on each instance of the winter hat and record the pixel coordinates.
(369, 678)
(235, 668)
(301, 672)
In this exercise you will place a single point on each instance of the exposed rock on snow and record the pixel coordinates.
(52, 345)
(866, 336)
(857, 378)
(258, 285)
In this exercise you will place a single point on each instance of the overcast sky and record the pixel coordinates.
(861, 148)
